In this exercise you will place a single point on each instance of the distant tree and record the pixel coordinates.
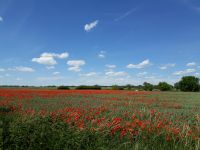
(148, 86)
(116, 87)
(189, 83)
(88, 87)
(129, 86)
(164, 86)
(177, 86)
(63, 87)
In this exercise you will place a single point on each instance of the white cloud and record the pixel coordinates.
(75, 65)
(90, 74)
(19, 79)
(164, 67)
(111, 66)
(197, 74)
(150, 77)
(190, 64)
(143, 64)
(50, 67)
(116, 74)
(56, 73)
(102, 54)
(45, 60)
(184, 72)
(49, 58)
(62, 55)
(55, 78)
(1, 19)
(91, 25)
(2, 69)
(75, 69)
(141, 74)
(24, 69)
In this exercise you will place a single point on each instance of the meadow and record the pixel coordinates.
(99, 119)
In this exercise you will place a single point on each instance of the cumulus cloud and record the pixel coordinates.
(111, 66)
(74, 65)
(191, 64)
(24, 69)
(90, 74)
(116, 74)
(143, 64)
(1, 19)
(91, 25)
(49, 58)
(102, 54)
(164, 67)
(184, 72)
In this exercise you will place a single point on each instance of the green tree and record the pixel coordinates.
(177, 86)
(148, 86)
(189, 83)
(116, 87)
(129, 86)
(164, 86)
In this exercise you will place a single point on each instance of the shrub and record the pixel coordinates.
(164, 86)
(85, 87)
(148, 86)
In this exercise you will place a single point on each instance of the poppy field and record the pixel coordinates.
(99, 119)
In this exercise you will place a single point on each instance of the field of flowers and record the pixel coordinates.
(99, 119)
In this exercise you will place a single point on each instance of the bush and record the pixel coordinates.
(63, 88)
(129, 86)
(85, 87)
(177, 86)
(164, 86)
(189, 84)
(148, 86)
(116, 87)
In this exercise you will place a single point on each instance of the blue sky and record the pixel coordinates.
(103, 42)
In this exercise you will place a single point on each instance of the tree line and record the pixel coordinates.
(186, 84)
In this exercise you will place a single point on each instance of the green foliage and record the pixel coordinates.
(86, 87)
(63, 88)
(148, 86)
(164, 86)
(128, 86)
(177, 86)
(189, 83)
(116, 87)
(44, 133)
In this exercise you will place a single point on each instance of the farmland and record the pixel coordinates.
(99, 119)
